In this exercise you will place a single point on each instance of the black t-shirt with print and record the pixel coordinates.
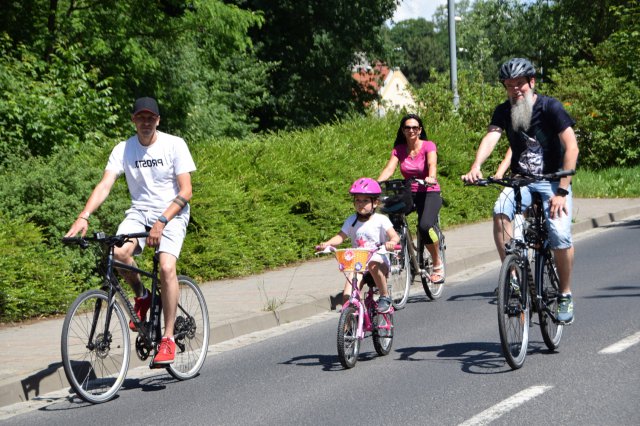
(539, 149)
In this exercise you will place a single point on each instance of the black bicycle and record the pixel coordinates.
(528, 280)
(415, 259)
(95, 334)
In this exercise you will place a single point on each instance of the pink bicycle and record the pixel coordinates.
(358, 318)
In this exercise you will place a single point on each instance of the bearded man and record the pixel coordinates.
(542, 140)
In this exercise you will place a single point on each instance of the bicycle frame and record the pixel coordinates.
(150, 333)
(516, 284)
(542, 252)
(406, 230)
(364, 307)
(95, 342)
(525, 239)
(532, 235)
(364, 318)
(411, 247)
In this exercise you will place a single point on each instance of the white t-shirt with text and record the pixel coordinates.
(151, 171)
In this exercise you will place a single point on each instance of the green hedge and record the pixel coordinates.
(35, 279)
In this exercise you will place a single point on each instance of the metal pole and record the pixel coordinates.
(452, 54)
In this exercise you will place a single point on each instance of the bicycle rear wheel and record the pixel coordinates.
(191, 331)
(400, 277)
(513, 311)
(383, 333)
(348, 342)
(551, 331)
(95, 355)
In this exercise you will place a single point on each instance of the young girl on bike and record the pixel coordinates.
(368, 229)
(418, 159)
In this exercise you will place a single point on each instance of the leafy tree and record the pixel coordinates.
(182, 52)
(620, 52)
(602, 93)
(416, 47)
(545, 31)
(313, 43)
(47, 105)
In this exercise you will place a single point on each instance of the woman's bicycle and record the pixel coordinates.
(413, 259)
(359, 317)
(528, 280)
(95, 334)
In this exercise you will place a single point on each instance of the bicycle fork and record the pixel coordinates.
(542, 258)
(363, 320)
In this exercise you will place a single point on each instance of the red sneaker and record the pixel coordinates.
(141, 306)
(166, 352)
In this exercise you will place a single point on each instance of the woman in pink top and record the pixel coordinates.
(418, 159)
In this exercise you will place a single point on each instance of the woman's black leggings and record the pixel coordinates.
(428, 206)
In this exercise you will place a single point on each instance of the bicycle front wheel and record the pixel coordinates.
(348, 342)
(191, 331)
(400, 277)
(95, 352)
(432, 290)
(513, 311)
(383, 333)
(551, 331)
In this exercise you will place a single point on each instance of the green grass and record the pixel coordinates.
(611, 183)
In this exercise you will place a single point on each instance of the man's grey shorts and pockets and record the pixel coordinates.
(559, 228)
(137, 220)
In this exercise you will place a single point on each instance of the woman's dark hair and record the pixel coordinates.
(400, 139)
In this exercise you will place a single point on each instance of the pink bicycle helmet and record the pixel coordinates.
(365, 186)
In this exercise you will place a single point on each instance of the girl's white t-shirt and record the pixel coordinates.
(367, 234)
(151, 171)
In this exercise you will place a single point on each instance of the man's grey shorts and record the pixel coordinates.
(137, 220)
(559, 228)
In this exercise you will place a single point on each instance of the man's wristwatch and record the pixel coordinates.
(562, 192)
(162, 219)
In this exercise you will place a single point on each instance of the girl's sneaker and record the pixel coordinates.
(384, 304)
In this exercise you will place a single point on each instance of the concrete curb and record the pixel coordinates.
(52, 378)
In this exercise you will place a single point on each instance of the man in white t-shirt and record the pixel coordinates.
(157, 167)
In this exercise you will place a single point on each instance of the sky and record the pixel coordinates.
(411, 9)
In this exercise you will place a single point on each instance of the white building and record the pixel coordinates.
(390, 85)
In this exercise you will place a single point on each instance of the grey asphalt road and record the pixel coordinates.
(445, 368)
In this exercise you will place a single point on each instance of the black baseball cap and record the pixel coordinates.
(146, 104)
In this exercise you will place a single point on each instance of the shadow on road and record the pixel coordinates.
(631, 224)
(327, 362)
(474, 357)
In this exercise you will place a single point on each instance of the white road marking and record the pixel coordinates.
(492, 413)
(622, 345)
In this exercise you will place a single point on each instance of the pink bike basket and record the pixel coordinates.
(353, 259)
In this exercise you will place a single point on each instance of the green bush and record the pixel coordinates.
(35, 279)
(606, 111)
(50, 192)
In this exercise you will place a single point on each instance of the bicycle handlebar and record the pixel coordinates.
(421, 182)
(409, 180)
(522, 179)
(380, 248)
(101, 237)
